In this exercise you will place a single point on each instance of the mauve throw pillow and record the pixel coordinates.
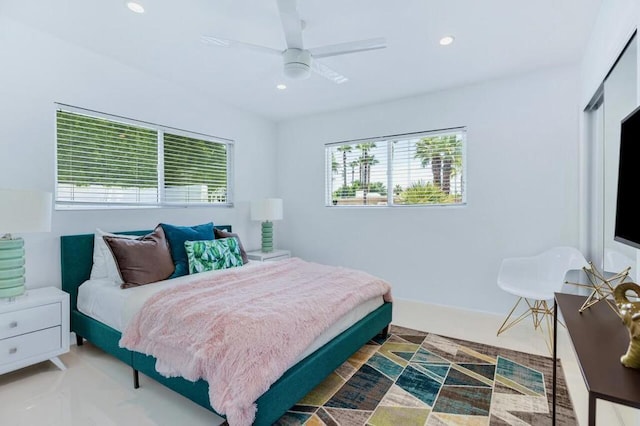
(143, 260)
(220, 233)
(177, 236)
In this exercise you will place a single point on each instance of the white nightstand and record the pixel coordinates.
(34, 327)
(268, 257)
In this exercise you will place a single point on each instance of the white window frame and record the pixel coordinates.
(388, 140)
(161, 130)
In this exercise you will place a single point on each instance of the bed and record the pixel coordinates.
(297, 381)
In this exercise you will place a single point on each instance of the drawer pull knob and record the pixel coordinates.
(13, 324)
(13, 350)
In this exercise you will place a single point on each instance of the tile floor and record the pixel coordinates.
(96, 389)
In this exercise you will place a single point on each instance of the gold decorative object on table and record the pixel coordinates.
(630, 313)
(601, 288)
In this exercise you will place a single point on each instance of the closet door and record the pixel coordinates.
(620, 98)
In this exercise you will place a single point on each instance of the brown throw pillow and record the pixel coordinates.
(143, 260)
(219, 233)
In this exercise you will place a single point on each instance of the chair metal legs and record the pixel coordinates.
(539, 311)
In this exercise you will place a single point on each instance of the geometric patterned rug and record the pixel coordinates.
(418, 378)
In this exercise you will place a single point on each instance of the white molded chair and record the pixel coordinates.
(615, 261)
(535, 279)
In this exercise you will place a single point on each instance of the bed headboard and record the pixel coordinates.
(76, 260)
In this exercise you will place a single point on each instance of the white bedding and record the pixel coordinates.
(106, 302)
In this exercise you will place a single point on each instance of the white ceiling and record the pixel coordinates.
(494, 38)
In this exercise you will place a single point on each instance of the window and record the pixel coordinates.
(110, 161)
(403, 170)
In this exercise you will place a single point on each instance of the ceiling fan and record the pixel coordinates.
(298, 61)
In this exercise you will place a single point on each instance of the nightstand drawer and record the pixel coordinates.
(28, 345)
(28, 320)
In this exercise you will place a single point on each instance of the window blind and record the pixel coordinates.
(358, 173)
(195, 170)
(102, 161)
(425, 168)
(107, 162)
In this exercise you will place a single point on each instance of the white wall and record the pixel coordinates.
(37, 70)
(522, 189)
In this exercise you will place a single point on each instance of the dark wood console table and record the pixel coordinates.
(599, 340)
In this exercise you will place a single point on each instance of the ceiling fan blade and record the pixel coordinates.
(223, 42)
(328, 73)
(291, 23)
(349, 47)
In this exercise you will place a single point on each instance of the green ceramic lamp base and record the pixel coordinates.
(267, 236)
(11, 267)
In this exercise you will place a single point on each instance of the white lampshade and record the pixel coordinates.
(267, 209)
(24, 211)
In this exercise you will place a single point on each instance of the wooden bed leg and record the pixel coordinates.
(79, 340)
(385, 331)
(136, 379)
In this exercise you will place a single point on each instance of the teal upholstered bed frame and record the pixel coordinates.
(76, 262)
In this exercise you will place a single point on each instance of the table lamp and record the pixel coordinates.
(20, 211)
(267, 210)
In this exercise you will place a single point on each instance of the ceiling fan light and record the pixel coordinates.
(297, 63)
(297, 70)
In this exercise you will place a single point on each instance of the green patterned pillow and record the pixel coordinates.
(213, 254)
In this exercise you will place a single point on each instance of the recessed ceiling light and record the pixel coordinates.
(135, 7)
(281, 86)
(447, 40)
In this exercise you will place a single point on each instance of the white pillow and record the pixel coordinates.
(104, 265)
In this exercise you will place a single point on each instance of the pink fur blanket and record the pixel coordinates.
(242, 328)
